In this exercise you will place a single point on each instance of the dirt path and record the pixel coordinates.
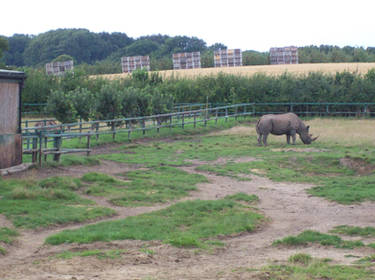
(287, 205)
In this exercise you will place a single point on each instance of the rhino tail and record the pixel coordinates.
(257, 127)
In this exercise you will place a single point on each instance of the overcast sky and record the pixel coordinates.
(248, 25)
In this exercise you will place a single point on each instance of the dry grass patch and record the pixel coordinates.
(345, 132)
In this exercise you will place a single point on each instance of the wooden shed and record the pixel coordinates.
(11, 83)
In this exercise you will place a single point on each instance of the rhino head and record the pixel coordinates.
(306, 137)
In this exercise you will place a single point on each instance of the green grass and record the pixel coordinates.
(301, 258)
(243, 197)
(354, 231)
(47, 202)
(367, 260)
(66, 160)
(185, 224)
(177, 130)
(315, 270)
(100, 254)
(307, 237)
(7, 235)
(143, 187)
(346, 190)
(334, 181)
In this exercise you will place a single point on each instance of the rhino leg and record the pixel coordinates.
(265, 139)
(288, 139)
(259, 139)
(293, 133)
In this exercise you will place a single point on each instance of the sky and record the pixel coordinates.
(244, 24)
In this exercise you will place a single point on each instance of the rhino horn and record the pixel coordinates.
(313, 139)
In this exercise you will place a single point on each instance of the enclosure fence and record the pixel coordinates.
(41, 139)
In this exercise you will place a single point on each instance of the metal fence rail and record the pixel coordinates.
(40, 141)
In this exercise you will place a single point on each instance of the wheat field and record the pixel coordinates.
(296, 69)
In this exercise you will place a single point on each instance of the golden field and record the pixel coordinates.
(297, 69)
(342, 131)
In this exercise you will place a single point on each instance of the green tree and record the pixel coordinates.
(3, 45)
(60, 105)
(109, 103)
(62, 58)
(17, 45)
(83, 102)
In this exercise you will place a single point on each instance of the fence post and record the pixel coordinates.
(88, 146)
(57, 141)
(216, 115)
(158, 122)
(80, 129)
(113, 131)
(28, 139)
(34, 154)
(183, 121)
(97, 130)
(143, 123)
(205, 117)
(195, 120)
(45, 143)
(40, 147)
(226, 114)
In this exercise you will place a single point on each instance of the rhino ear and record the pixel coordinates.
(307, 128)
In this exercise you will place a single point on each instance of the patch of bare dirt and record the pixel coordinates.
(357, 164)
(105, 166)
(289, 209)
(4, 222)
(300, 150)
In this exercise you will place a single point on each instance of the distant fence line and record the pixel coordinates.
(36, 138)
(40, 141)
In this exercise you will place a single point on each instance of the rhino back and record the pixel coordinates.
(281, 123)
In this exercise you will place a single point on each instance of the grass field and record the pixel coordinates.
(211, 197)
(298, 69)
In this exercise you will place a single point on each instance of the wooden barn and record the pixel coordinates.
(11, 83)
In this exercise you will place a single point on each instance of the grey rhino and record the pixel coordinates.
(289, 124)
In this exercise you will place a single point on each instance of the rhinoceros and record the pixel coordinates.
(289, 124)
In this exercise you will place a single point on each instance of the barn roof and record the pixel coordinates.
(12, 75)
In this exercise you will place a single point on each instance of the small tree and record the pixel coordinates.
(109, 103)
(3, 45)
(83, 102)
(60, 105)
(62, 58)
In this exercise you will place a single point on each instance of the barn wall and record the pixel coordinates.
(9, 99)
(10, 139)
(10, 150)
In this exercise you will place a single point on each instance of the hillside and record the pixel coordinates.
(100, 53)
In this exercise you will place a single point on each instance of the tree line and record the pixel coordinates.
(144, 93)
(100, 53)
